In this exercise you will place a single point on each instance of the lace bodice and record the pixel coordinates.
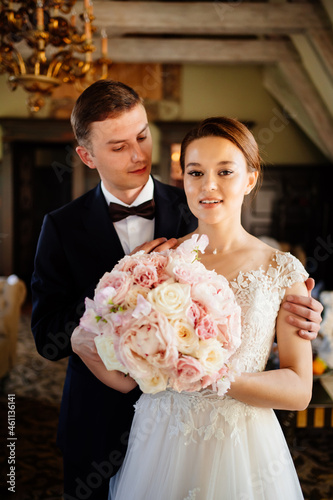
(259, 294)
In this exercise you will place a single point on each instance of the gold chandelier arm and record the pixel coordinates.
(56, 64)
(19, 68)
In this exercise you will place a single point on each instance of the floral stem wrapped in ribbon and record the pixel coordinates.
(166, 320)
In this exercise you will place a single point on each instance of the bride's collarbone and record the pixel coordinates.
(230, 265)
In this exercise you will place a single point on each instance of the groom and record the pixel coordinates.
(78, 244)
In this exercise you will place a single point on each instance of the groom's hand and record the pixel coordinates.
(306, 312)
(158, 245)
(83, 344)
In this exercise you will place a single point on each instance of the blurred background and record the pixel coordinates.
(266, 63)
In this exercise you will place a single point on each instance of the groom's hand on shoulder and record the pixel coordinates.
(83, 344)
(157, 245)
(306, 313)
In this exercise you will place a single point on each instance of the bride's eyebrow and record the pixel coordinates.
(227, 162)
(219, 164)
(192, 164)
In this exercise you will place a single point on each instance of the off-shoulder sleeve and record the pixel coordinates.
(290, 269)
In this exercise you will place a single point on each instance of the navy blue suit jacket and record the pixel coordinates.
(77, 245)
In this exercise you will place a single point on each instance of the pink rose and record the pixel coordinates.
(145, 275)
(159, 261)
(129, 262)
(207, 328)
(195, 313)
(187, 375)
(112, 288)
(150, 340)
(186, 272)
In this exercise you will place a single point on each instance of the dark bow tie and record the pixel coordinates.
(119, 212)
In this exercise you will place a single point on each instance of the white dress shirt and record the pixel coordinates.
(134, 230)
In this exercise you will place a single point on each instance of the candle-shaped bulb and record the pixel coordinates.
(73, 18)
(40, 15)
(104, 43)
(88, 7)
(87, 27)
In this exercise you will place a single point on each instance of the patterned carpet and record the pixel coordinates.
(37, 385)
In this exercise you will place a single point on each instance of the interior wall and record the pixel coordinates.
(238, 92)
(235, 91)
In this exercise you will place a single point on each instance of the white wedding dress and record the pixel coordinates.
(199, 446)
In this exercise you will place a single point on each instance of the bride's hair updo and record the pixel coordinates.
(227, 128)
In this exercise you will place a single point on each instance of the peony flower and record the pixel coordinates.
(148, 341)
(171, 299)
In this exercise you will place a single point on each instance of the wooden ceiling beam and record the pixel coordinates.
(322, 42)
(212, 18)
(187, 51)
(290, 85)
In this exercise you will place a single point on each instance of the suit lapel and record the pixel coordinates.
(101, 234)
(169, 211)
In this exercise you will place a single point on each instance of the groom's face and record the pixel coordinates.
(121, 150)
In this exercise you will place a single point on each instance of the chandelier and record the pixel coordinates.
(44, 43)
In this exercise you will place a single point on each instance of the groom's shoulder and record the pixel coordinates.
(172, 192)
(75, 206)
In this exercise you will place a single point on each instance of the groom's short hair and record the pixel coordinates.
(101, 100)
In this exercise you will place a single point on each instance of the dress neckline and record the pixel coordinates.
(258, 269)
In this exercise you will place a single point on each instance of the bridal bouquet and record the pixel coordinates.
(166, 320)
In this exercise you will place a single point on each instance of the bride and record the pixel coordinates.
(186, 446)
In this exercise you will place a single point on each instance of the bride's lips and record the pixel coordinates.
(209, 203)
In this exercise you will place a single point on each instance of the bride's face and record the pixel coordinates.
(216, 178)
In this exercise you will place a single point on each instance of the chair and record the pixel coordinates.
(12, 295)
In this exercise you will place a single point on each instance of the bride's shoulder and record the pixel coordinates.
(263, 250)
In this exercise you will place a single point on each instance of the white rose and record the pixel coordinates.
(132, 295)
(157, 382)
(105, 349)
(170, 298)
(187, 339)
(211, 355)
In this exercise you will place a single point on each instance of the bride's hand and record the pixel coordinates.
(158, 245)
(83, 344)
